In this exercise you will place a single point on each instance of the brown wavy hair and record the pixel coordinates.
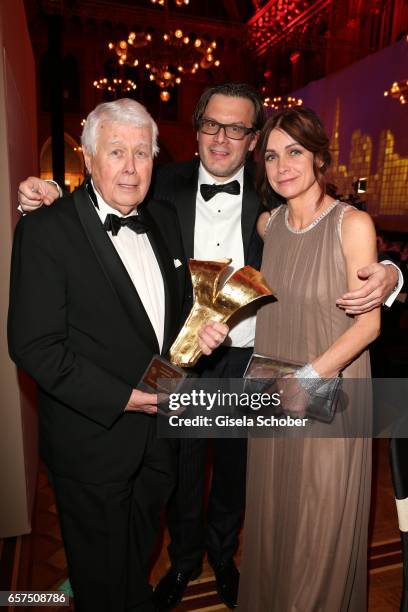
(304, 126)
(233, 90)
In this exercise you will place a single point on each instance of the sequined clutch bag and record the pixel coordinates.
(262, 372)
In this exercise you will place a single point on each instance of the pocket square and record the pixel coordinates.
(177, 263)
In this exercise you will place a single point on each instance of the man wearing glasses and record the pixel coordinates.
(217, 207)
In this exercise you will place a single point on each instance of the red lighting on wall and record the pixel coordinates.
(272, 23)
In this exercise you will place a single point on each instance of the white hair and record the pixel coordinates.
(124, 110)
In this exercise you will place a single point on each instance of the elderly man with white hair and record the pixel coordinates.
(97, 287)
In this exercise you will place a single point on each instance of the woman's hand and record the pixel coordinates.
(294, 398)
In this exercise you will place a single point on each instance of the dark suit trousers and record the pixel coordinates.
(191, 535)
(109, 532)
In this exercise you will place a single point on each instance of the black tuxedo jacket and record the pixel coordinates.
(79, 328)
(178, 183)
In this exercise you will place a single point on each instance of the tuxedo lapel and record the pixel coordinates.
(113, 268)
(250, 210)
(185, 203)
(171, 289)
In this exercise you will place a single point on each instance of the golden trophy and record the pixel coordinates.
(210, 303)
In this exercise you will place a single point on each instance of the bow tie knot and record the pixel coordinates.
(113, 223)
(209, 191)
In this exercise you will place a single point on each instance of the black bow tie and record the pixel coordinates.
(113, 223)
(209, 191)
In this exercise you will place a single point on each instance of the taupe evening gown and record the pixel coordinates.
(306, 520)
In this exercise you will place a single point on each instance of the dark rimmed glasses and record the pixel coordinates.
(235, 132)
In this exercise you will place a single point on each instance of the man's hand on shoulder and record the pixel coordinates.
(34, 192)
(381, 280)
(140, 401)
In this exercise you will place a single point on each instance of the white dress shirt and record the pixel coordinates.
(394, 294)
(141, 264)
(218, 234)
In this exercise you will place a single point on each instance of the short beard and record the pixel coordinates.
(225, 174)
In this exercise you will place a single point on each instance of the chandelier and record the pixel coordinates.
(164, 2)
(398, 91)
(165, 57)
(115, 85)
(278, 103)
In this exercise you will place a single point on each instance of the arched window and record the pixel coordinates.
(74, 164)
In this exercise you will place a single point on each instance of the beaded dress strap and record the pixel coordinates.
(273, 214)
(343, 209)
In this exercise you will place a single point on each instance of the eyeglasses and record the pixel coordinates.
(235, 132)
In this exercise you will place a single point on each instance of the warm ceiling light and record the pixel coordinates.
(279, 102)
(178, 3)
(164, 96)
(398, 91)
(120, 86)
(170, 56)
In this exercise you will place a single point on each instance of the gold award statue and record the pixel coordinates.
(210, 303)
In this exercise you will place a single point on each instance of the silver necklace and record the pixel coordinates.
(303, 230)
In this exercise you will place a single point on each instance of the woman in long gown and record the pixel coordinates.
(305, 534)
